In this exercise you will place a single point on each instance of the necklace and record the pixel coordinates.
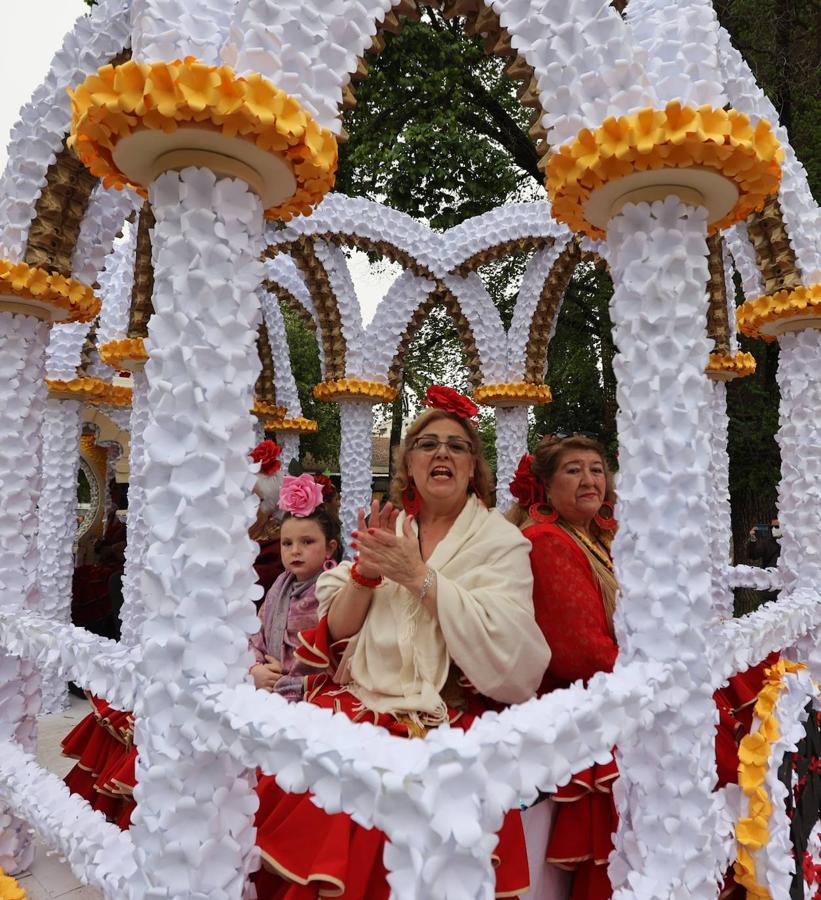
(593, 546)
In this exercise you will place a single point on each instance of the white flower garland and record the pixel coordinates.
(355, 453)
(201, 374)
(511, 443)
(164, 30)
(718, 522)
(98, 852)
(657, 255)
(284, 381)
(132, 612)
(56, 527)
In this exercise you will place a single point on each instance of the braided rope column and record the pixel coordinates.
(198, 582)
(22, 362)
(56, 527)
(657, 256)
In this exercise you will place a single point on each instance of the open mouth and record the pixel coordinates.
(441, 473)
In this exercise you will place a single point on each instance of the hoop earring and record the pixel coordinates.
(411, 501)
(605, 518)
(543, 518)
(330, 563)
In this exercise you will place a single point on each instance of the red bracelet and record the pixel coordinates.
(363, 579)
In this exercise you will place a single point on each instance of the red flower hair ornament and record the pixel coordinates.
(328, 489)
(267, 455)
(526, 487)
(451, 401)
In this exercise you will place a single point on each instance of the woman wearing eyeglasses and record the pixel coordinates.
(432, 623)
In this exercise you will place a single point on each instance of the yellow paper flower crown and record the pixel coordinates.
(516, 393)
(90, 390)
(725, 364)
(10, 889)
(355, 389)
(296, 425)
(117, 101)
(124, 354)
(49, 289)
(761, 317)
(675, 137)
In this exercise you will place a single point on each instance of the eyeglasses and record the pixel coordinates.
(456, 446)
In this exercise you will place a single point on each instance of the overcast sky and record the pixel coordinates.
(31, 34)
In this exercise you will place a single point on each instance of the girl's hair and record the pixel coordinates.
(482, 483)
(328, 524)
(546, 460)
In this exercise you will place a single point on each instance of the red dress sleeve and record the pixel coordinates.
(569, 609)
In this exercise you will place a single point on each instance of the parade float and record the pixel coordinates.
(168, 190)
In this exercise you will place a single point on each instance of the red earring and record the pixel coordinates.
(605, 518)
(543, 518)
(411, 501)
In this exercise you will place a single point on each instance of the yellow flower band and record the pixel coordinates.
(725, 366)
(516, 393)
(117, 102)
(355, 389)
(296, 425)
(49, 295)
(766, 317)
(261, 409)
(752, 831)
(126, 354)
(10, 889)
(89, 390)
(677, 137)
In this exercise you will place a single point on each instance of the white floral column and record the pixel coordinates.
(719, 521)
(355, 455)
(132, 612)
(22, 399)
(198, 583)
(658, 258)
(511, 443)
(799, 436)
(57, 526)
(289, 442)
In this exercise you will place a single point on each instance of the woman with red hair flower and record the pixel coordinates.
(431, 624)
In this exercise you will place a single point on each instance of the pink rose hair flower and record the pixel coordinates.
(300, 495)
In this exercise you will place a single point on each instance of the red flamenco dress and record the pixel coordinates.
(102, 744)
(308, 853)
(570, 611)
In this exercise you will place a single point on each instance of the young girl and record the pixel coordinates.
(309, 539)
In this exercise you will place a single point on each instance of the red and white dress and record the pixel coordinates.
(409, 672)
(570, 611)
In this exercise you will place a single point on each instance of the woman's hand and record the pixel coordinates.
(267, 674)
(380, 521)
(392, 556)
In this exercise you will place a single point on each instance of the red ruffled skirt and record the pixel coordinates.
(586, 817)
(102, 745)
(308, 853)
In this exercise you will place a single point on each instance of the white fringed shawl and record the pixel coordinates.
(399, 660)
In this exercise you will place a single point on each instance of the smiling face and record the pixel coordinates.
(577, 488)
(441, 463)
(303, 547)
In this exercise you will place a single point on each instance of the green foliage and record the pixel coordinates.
(437, 131)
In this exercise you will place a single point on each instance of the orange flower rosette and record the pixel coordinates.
(296, 425)
(125, 354)
(89, 390)
(726, 366)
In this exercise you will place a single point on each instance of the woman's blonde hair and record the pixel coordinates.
(482, 482)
